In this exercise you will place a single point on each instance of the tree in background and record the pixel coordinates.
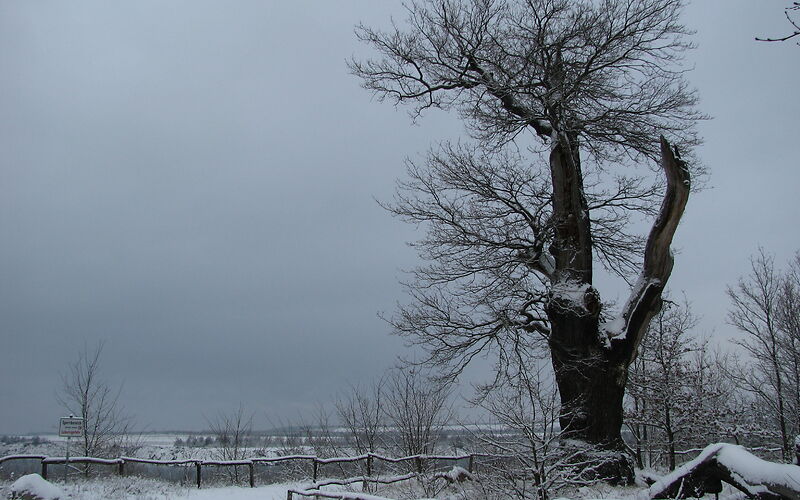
(524, 432)
(565, 100)
(361, 413)
(789, 325)
(233, 432)
(662, 402)
(417, 408)
(764, 308)
(87, 394)
(679, 396)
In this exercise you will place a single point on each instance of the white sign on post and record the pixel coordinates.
(70, 427)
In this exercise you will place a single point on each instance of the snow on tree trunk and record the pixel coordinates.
(591, 360)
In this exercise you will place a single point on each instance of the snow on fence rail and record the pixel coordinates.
(364, 479)
(314, 461)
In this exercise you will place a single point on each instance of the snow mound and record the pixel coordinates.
(34, 487)
(455, 475)
(734, 465)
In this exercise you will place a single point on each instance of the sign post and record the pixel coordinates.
(69, 427)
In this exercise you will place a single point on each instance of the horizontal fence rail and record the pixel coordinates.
(362, 479)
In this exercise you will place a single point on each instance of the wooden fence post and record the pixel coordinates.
(314, 474)
(289, 495)
(369, 465)
(121, 467)
(418, 461)
(252, 477)
(471, 463)
(197, 472)
(44, 469)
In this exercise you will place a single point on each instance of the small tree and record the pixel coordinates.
(233, 432)
(765, 307)
(526, 411)
(362, 415)
(754, 311)
(417, 409)
(663, 402)
(86, 393)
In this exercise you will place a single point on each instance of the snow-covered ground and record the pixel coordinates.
(155, 446)
(129, 488)
(173, 446)
(145, 489)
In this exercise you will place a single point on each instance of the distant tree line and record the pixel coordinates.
(26, 440)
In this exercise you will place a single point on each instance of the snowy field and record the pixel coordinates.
(144, 489)
(753, 476)
(159, 446)
(162, 446)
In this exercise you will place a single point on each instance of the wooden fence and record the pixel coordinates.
(416, 463)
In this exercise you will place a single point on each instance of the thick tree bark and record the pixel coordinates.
(572, 245)
(591, 362)
(592, 388)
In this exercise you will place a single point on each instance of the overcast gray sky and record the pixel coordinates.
(193, 182)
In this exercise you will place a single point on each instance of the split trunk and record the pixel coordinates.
(591, 360)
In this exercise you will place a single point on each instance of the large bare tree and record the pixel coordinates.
(565, 101)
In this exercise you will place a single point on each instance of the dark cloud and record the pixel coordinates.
(194, 183)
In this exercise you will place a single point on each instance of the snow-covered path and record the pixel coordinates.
(144, 489)
(271, 492)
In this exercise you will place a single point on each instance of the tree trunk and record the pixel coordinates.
(591, 366)
(670, 437)
(638, 433)
(591, 386)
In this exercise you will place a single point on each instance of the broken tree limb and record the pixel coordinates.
(645, 299)
(734, 465)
